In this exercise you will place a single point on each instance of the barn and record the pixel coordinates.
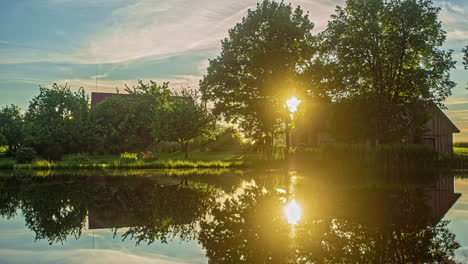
(99, 97)
(310, 132)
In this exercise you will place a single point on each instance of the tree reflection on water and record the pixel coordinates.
(347, 223)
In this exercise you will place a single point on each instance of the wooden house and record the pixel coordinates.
(99, 97)
(310, 129)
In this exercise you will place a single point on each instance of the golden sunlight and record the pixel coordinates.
(293, 212)
(292, 104)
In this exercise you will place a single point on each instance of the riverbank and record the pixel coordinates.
(335, 156)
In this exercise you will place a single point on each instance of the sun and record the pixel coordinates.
(292, 104)
(293, 212)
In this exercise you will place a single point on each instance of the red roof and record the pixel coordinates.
(98, 97)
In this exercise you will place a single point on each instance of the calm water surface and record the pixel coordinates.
(232, 217)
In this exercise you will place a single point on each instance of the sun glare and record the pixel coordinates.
(292, 104)
(293, 212)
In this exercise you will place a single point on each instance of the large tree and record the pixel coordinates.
(259, 68)
(11, 127)
(388, 54)
(58, 121)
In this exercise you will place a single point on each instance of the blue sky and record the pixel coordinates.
(121, 41)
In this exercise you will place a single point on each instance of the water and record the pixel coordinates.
(232, 217)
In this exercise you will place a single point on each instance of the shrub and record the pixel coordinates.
(128, 157)
(3, 149)
(77, 159)
(25, 155)
(54, 152)
(148, 156)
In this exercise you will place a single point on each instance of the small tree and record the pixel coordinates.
(183, 119)
(11, 127)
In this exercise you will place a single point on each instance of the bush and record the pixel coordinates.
(54, 153)
(25, 155)
(128, 157)
(148, 156)
(3, 149)
(77, 159)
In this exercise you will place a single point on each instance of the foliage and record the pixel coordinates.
(331, 229)
(25, 155)
(77, 159)
(53, 152)
(461, 144)
(152, 98)
(183, 119)
(227, 139)
(167, 147)
(259, 68)
(128, 157)
(57, 207)
(148, 156)
(3, 149)
(465, 57)
(124, 123)
(388, 54)
(11, 127)
(58, 122)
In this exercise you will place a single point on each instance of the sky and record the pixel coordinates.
(118, 42)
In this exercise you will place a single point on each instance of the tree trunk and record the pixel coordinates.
(186, 148)
(288, 144)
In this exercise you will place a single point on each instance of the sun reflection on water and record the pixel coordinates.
(293, 212)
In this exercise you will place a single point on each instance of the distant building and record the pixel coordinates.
(310, 131)
(99, 97)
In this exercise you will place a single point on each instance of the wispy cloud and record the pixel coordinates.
(458, 34)
(85, 256)
(3, 42)
(170, 27)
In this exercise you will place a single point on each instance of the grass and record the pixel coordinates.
(461, 151)
(342, 156)
(7, 163)
(160, 164)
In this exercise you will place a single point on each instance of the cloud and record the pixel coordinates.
(170, 27)
(458, 34)
(3, 42)
(85, 256)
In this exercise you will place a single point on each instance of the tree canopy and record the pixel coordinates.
(259, 68)
(58, 118)
(389, 54)
(11, 127)
(183, 119)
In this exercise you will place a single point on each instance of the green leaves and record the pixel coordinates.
(259, 67)
(59, 117)
(11, 127)
(390, 54)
